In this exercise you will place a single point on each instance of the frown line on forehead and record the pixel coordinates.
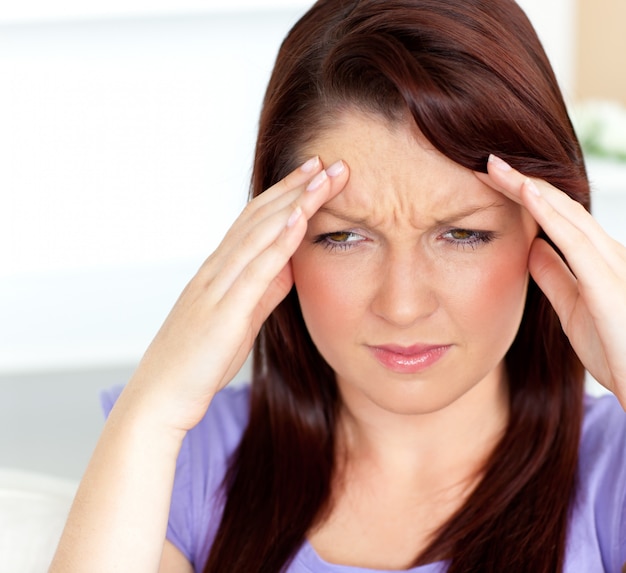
(447, 219)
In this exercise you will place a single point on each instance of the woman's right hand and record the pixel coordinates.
(211, 328)
(119, 518)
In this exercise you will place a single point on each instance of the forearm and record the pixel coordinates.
(119, 517)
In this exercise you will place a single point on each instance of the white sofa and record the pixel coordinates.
(33, 510)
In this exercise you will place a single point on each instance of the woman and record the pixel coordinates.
(419, 342)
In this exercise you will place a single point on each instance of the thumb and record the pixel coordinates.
(277, 290)
(554, 278)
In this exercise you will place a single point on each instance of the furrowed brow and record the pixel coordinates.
(449, 219)
(468, 212)
(357, 221)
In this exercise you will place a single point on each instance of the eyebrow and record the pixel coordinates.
(469, 211)
(343, 216)
(464, 213)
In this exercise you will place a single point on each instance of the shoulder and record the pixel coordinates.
(598, 522)
(603, 433)
(207, 448)
(223, 423)
(602, 453)
(218, 434)
(196, 503)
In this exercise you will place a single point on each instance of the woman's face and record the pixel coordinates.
(412, 280)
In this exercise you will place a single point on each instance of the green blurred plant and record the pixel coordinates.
(601, 128)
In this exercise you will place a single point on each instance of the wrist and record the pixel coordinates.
(142, 416)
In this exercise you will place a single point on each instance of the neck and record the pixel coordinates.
(439, 449)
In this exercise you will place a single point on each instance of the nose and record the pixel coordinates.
(405, 293)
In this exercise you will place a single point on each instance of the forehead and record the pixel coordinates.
(396, 173)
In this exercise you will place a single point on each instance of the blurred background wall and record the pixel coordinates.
(601, 49)
(127, 132)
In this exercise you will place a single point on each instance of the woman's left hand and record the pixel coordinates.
(589, 296)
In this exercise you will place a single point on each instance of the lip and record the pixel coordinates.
(409, 359)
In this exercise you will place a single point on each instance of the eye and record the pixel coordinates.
(468, 238)
(338, 240)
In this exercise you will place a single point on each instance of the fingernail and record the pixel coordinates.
(336, 169)
(530, 184)
(317, 181)
(309, 165)
(293, 218)
(499, 163)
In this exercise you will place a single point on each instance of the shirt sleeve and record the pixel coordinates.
(195, 510)
(603, 473)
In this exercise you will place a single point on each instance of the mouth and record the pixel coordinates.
(408, 359)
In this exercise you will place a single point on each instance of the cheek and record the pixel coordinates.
(500, 279)
(494, 296)
(320, 291)
(332, 299)
(483, 297)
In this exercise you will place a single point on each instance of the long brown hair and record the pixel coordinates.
(474, 78)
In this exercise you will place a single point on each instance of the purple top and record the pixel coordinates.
(597, 535)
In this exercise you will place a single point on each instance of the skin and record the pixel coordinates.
(449, 415)
(416, 249)
(588, 288)
(407, 265)
(124, 497)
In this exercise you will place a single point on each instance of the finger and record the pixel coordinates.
(284, 195)
(293, 180)
(564, 291)
(588, 321)
(512, 183)
(554, 278)
(252, 314)
(592, 259)
(290, 186)
(309, 198)
(267, 279)
(556, 211)
(225, 270)
(260, 236)
(307, 194)
(238, 310)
